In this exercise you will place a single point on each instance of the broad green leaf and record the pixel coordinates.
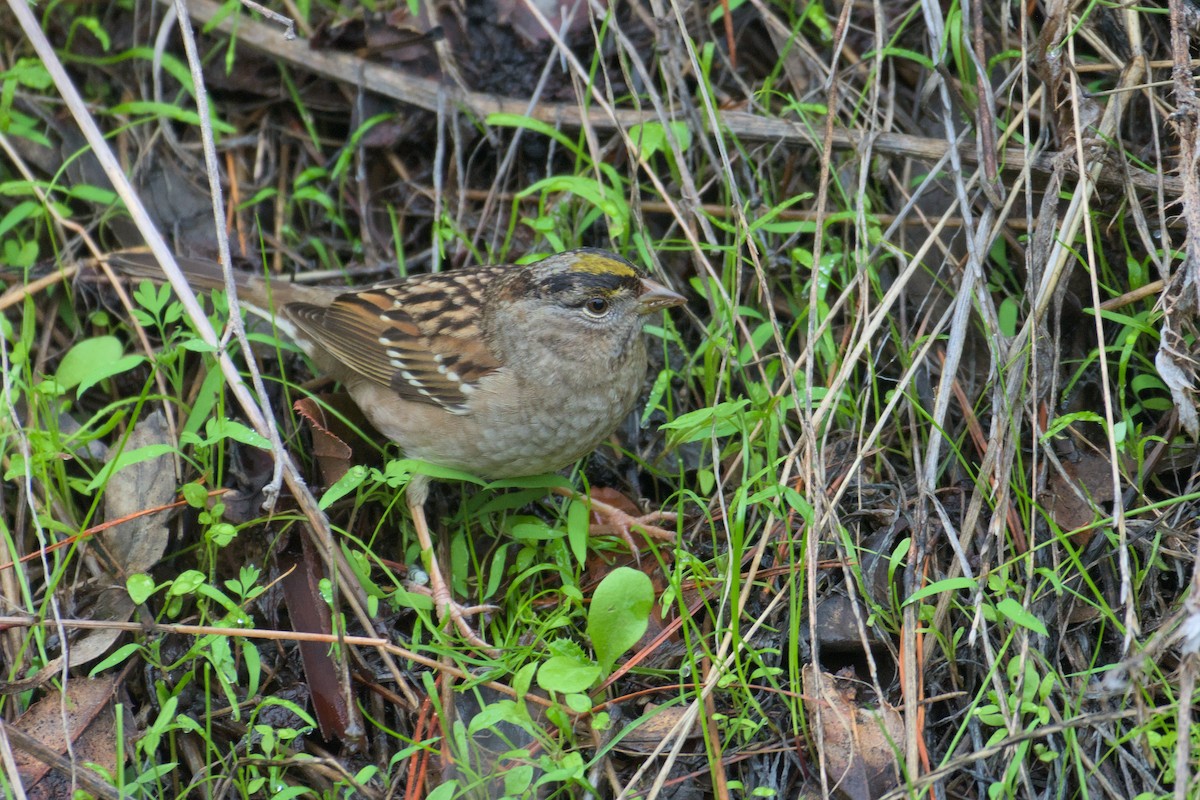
(568, 670)
(140, 587)
(566, 675)
(93, 360)
(444, 792)
(619, 614)
(651, 137)
(194, 494)
(188, 581)
(517, 779)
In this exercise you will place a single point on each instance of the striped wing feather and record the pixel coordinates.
(421, 337)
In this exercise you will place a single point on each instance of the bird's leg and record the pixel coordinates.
(618, 522)
(443, 601)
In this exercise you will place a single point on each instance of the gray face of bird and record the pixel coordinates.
(584, 308)
(593, 331)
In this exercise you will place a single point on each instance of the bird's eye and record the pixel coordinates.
(596, 306)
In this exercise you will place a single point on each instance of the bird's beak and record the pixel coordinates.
(655, 296)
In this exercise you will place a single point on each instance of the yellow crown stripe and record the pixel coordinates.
(592, 264)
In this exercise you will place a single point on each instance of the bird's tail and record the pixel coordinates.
(200, 274)
(253, 290)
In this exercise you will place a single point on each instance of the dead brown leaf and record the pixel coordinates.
(137, 545)
(859, 742)
(649, 733)
(1078, 494)
(82, 715)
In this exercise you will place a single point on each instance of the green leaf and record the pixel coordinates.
(770, 221)
(444, 792)
(568, 670)
(517, 779)
(566, 767)
(1019, 615)
(920, 59)
(140, 587)
(577, 529)
(522, 680)
(127, 458)
(221, 534)
(93, 360)
(187, 583)
(118, 657)
(30, 72)
(532, 529)
(169, 111)
(402, 598)
(344, 486)
(204, 406)
(661, 384)
(93, 26)
(1067, 420)
(720, 420)
(537, 126)
(216, 429)
(18, 214)
(94, 194)
(611, 203)
(289, 793)
(549, 481)
(937, 587)
(619, 614)
(719, 10)
(567, 675)
(123, 364)
(651, 137)
(231, 429)
(1009, 316)
(579, 703)
(400, 470)
(18, 254)
(194, 495)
